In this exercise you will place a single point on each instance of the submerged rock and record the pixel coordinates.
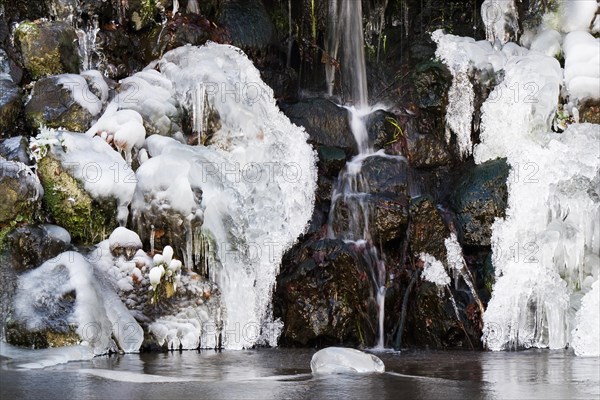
(479, 198)
(48, 48)
(339, 360)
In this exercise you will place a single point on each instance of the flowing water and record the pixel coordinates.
(285, 374)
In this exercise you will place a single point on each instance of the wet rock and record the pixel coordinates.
(427, 229)
(62, 9)
(387, 176)
(121, 52)
(331, 160)
(181, 30)
(247, 22)
(11, 106)
(283, 82)
(16, 149)
(70, 206)
(589, 111)
(384, 131)
(20, 192)
(139, 14)
(48, 48)
(320, 292)
(428, 151)
(31, 245)
(391, 218)
(325, 122)
(8, 68)
(480, 196)
(53, 105)
(431, 321)
(18, 334)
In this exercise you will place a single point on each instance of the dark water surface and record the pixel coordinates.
(285, 374)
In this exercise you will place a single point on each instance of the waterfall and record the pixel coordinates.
(351, 189)
(345, 19)
(87, 43)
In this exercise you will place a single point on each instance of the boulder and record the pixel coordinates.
(480, 196)
(70, 206)
(48, 48)
(427, 229)
(31, 245)
(20, 192)
(16, 149)
(54, 104)
(320, 294)
(325, 122)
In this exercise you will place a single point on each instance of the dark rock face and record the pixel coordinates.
(325, 122)
(48, 48)
(321, 294)
(331, 160)
(11, 106)
(30, 245)
(427, 229)
(52, 105)
(480, 196)
(428, 151)
(386, 176)
(433, 324)
(247, 22)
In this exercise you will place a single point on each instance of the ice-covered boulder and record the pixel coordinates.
(339, 360)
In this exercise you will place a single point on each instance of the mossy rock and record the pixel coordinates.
(48, 48)
(141, 13)
(20, 193)
(18, 335)
(70, 206)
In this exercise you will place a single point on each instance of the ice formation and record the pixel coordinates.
(242, 201)
(434, 271)
(582, 65)
(587, 324)
(546, 250)
(78, 86)
(98, 315)
(339, 360)
(252, 189)
(500, 20)
(103, 173)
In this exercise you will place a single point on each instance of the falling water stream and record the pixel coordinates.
(352, 189)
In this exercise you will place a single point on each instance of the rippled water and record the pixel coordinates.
(285, 374)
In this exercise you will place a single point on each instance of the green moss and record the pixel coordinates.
(71, 207)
